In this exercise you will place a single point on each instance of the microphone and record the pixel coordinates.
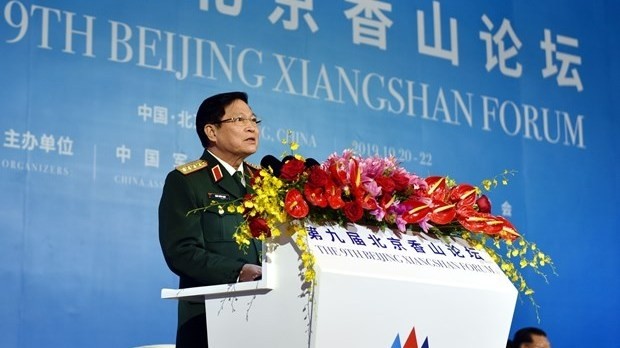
(311, 162)
(287, 158)
(272, 162)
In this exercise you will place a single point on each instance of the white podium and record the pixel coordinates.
(373, 290)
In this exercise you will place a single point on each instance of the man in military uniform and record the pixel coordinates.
(199, 247)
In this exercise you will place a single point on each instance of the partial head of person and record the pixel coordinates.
(530, 337)
(227, 126)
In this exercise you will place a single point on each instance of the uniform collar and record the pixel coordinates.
(230, 169)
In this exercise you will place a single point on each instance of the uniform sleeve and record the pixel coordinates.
(182, 239)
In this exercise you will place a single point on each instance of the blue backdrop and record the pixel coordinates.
(98, 101)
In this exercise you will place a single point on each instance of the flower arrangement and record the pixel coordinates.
(379, 192)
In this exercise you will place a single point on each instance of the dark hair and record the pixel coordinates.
(524, 335)
(212, 109)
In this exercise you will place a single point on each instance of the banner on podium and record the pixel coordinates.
(383, 253)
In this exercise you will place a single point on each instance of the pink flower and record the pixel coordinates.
(371, 187)
(372, 167)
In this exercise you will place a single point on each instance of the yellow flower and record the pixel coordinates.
(486, 184)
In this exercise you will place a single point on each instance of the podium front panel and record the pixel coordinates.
(377, 289)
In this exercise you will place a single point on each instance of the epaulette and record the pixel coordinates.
(191, 167)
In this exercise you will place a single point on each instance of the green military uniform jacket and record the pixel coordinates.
(199, 247)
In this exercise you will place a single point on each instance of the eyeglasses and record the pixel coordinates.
(246, 121)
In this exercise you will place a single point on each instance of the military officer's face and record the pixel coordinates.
(237, 133)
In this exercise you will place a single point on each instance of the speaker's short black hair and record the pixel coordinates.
(212, 109)
(524, 335)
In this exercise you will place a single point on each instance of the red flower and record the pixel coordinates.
(315, 195)
(508, 230)
(295, 205)
(318, 177)
(437, 188)
(387, 184)
(416, 211)
(463, 195)
(401, 181)
(355, 174)
(368, 202)
(258, 227)
(386, 201)
(338, 174)
(353, 211)
(291, 169)
(334, 196)
(442, 213)
(484, 204)
(478, 222)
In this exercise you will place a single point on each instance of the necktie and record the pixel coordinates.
(238, 176)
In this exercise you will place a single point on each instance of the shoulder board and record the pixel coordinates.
(191, 167)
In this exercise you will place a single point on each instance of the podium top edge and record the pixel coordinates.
(214, 291)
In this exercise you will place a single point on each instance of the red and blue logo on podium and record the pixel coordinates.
(411, 342)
